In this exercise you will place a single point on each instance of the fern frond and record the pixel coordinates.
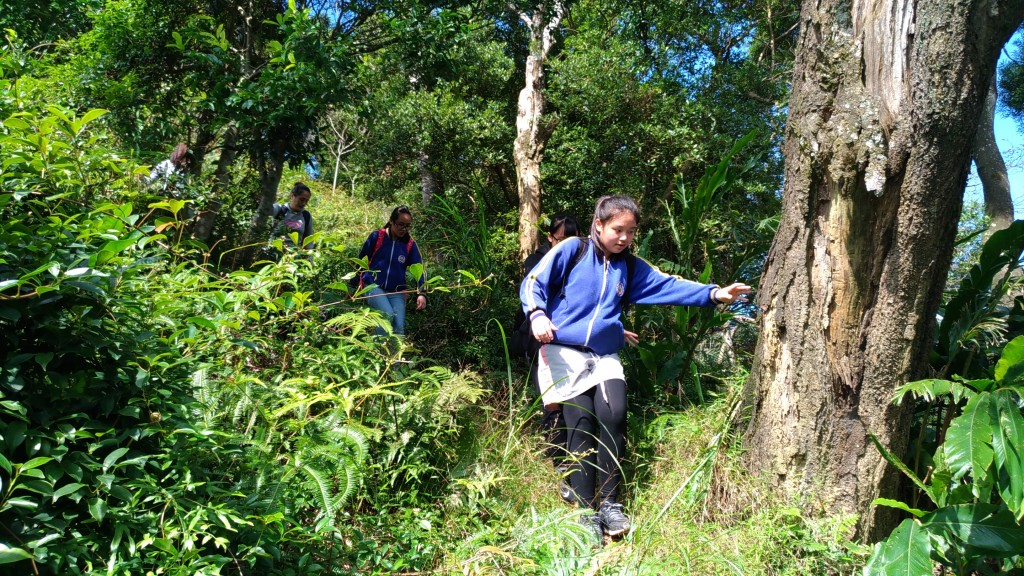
(322, 488)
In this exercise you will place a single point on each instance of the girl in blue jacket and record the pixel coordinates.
(391, 250)
(578, 321)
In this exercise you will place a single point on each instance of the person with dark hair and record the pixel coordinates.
(390, 251)
(521, 343)
(293, 218)
(169, 170)
(574, 298)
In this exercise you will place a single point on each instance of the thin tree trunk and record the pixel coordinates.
(991, 168)
(886, 98)
(429, 183)
(269, 166)
(532, 131)
(221, 183)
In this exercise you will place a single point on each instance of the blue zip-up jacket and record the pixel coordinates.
(589, 315)
(387, 269)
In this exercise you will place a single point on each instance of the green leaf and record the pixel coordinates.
(97, 509)
(67, 489)
(33, 463)
(44, 358)
(902, 467)
(203, 322)
(986, 527)
(91, 115)
(1011, 364)
(906, 552)
(1008, 447)
(968, 445)
(17, 124)
(112, 458)
(8, 554)
(898, 505)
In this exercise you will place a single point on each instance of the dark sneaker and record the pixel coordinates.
(613, 519)
(593, 521)
(564, 490)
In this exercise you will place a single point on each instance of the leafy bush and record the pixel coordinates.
(971, 432)
(158, 415)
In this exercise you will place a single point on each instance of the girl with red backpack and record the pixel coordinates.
(389, 252)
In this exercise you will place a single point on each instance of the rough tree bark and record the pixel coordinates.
(269, 167)
(532, 130)
(991, 169)
(430, 184)
(221, 182)
(886, 98)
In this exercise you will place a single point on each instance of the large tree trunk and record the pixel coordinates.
(532, 131)
(886, 97)
(991, 168)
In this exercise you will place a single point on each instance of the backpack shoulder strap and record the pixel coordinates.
(630, 270)
(378, 244)
(577, 257)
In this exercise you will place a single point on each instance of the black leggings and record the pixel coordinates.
(596, 424)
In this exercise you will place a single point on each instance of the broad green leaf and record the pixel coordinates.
(113, 457)
(9, 554)
(1008, 448)
(1011, 364)
(92, 115)
(97, 509)
(906, 552)
(17, 124)
(203, 322)
(986, 527)
(968, 445)
(33, 463)
(67, 489)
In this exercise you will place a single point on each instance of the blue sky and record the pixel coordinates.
(1010, 140)
(1011, 144)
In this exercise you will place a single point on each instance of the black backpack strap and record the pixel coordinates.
(307, 223)
(577, 257)
(630, 270)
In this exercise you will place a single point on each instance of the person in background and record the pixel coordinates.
(167, 171)
(560, 227)
(581, 332)
(390, 251)
(293, 218)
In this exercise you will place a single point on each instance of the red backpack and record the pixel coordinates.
(376, 247)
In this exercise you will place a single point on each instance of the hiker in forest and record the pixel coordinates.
(389, 252)
(167, 172)
(293, 218)
(574, 299)
(522, 343)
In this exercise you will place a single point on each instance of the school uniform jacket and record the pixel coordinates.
(590, 313)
